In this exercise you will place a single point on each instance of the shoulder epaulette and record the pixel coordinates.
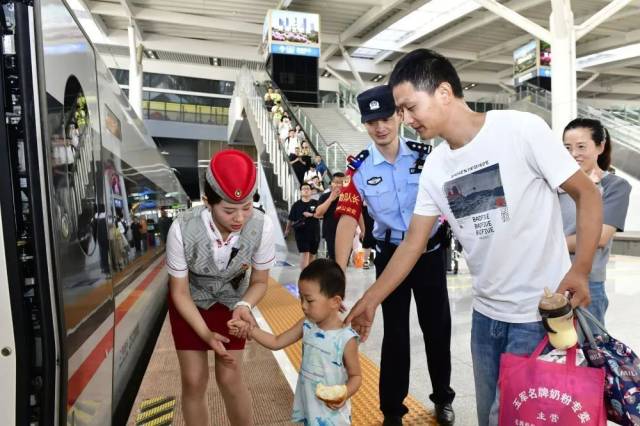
(355, 162)
(419, 147)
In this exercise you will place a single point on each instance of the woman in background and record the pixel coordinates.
(589, 143)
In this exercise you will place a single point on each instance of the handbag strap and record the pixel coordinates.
(588, 315)
(538, 350)
(583, 315)
(570, 357)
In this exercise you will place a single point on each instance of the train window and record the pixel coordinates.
(75, 165)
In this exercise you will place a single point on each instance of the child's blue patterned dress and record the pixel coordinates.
(322, 362)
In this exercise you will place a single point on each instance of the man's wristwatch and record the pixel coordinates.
(243, 303)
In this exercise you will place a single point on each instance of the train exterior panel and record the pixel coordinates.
(104, 178)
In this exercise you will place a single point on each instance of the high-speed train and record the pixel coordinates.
(80, 178)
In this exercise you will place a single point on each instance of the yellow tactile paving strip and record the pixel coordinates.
(281, 310)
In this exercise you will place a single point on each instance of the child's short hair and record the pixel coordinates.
(328, 274)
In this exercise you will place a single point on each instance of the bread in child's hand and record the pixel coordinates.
(331, 394)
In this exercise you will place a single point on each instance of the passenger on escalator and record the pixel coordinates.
(299, 165)
(290, 143)
(321, 167)
(268, 99)
(305, 225)
(285, 130)
(218, 259)
(276, 112)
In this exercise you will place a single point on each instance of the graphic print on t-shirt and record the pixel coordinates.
(473, 196)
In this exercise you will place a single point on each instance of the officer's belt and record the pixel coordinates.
(392, 234)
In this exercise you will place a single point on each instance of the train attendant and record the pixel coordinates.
(218, 258)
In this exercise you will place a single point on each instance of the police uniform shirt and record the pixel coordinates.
(390, 190)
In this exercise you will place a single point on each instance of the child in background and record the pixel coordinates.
(329, 350)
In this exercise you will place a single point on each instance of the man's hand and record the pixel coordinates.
(215, 341)
(361, 316)
(246, 323)
(577, 284)
(307, 214)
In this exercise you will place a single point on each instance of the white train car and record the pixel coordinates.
(81, 178)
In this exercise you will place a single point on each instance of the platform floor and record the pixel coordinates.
(271, 388)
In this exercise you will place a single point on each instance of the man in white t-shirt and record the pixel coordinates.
(495, 181)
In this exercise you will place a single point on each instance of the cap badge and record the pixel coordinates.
(374, 105)
(238, 193)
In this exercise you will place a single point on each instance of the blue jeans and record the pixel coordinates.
(599, 300)
(489, 339)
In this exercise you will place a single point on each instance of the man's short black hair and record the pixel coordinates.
(337, 175)
(328, 274)
(425, 70)
(305, 184)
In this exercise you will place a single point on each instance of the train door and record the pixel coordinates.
(80, 217)
(30, 348)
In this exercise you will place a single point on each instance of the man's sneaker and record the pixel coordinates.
(392, 421)
(445, 414)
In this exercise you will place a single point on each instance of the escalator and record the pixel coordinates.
(624, 130)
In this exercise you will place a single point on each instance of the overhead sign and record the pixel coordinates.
(531, 60)
(291, 33)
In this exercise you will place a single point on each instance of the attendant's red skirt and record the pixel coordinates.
(216, 318)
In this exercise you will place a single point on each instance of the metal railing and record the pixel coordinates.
(256, 111)
(333, 154)
(187, 113)
(623, 129)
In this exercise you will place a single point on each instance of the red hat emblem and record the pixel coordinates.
(232, 175)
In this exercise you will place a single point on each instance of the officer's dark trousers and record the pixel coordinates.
(428, 282)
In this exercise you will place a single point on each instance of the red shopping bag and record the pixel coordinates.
(535, 392)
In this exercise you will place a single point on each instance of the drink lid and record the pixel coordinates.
(553, 305)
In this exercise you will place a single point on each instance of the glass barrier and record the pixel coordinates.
(188, 113)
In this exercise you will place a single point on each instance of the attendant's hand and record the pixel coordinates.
(215, 341)
(577, 284)
(361, 316)
(246, 323)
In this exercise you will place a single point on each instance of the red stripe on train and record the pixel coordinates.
(83, 375)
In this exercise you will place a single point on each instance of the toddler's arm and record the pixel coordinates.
(269, 340)
(352, 364)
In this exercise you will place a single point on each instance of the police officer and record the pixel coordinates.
(386, 176)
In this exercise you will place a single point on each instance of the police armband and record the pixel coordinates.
(349, 201)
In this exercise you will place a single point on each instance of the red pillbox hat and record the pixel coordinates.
(232, 175)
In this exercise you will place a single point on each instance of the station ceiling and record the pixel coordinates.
(227, 33)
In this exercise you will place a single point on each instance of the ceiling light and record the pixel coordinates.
(163, 152)
(424, 20)
(214, 61)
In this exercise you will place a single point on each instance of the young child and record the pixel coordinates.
(329, 351)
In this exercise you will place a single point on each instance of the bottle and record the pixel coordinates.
(557, 318)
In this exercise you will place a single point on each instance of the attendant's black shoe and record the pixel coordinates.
(445, 414)
(392, 421)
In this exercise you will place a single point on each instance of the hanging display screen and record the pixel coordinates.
(292, 33)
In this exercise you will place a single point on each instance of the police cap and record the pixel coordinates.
(376, 103)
